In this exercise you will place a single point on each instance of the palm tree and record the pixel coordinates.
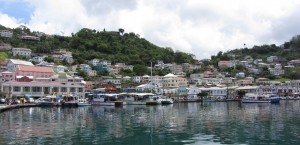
(202, 95)
(241, 93)
(121, 31)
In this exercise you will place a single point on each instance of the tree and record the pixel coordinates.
(121, 31)
(202, 95)
(241, 93)
(140, 69)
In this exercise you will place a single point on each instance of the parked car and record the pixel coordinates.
(2, 100)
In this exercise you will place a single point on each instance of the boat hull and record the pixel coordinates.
(255, 101)
(116, 103)
(84, 104)
(136, 103)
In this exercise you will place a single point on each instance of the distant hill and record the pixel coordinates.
(287, 51)
(87, 44)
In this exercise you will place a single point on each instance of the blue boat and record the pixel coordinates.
(274, 98)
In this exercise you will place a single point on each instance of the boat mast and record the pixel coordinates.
(151, 78)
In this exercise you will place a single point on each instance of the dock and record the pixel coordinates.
(9, 107)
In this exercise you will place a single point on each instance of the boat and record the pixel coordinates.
(190, 98)
(105, 99)
(83, 102)
(255, 98)
(49, 101)
(261, 98)
(70, 100)
(165, 101)
(141, 99)
(274, 98)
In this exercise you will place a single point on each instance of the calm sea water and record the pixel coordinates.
(183, 123)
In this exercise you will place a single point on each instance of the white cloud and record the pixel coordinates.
(8, 21)
(199, 27)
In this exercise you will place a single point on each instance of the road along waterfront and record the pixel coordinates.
(182, 123)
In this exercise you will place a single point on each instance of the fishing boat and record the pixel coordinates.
(274, 98)
(165, 101)
(70, 100)
(49, 101)
(83, 102)
(260, 98)
(104, 99)
(141, 99)
(255, 98)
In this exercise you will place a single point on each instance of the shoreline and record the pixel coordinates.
(9, 107)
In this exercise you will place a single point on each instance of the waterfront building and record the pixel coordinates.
(34, 71)
(248, 89)
(61, 84)
(215, 93)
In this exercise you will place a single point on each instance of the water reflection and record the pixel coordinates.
(183, 123)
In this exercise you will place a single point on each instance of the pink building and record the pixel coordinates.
(225, 64)
(34, 71)
(7, 76)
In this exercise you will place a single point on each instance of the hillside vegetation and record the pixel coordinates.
(87, 44)
(288, 51)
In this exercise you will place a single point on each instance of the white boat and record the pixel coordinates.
(141, 99)
(102, 99)
(255, 98)
(83, 102)
(260, 98)
(69, 100)
(164, 100)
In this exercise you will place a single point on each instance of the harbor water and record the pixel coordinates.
(182, 123)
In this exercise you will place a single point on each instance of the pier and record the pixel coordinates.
(8, 107)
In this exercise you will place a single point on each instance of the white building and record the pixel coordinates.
(60, 55)
(6, 33)
(272, 59)
(94, 61)
(38, 59)
(12, 64)
(21, 52)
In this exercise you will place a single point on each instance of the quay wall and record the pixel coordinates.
(9, 107)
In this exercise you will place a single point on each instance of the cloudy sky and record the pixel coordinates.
(200, 27)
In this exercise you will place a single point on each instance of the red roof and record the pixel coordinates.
(3, 62)
(35, 69)
(89, 82)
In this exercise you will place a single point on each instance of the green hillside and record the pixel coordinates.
(288, 51)
(87, 44)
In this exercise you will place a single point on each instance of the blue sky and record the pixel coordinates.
(200, 27)
(17, 9)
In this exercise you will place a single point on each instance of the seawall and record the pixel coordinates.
(9, 107)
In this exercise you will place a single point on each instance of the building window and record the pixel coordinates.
(80, 89)
(17, 89)
(63, 89)
(26, 89)
(72, 89)
(36, 89)
(55, 89)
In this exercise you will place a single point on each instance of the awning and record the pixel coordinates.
(28, 95)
